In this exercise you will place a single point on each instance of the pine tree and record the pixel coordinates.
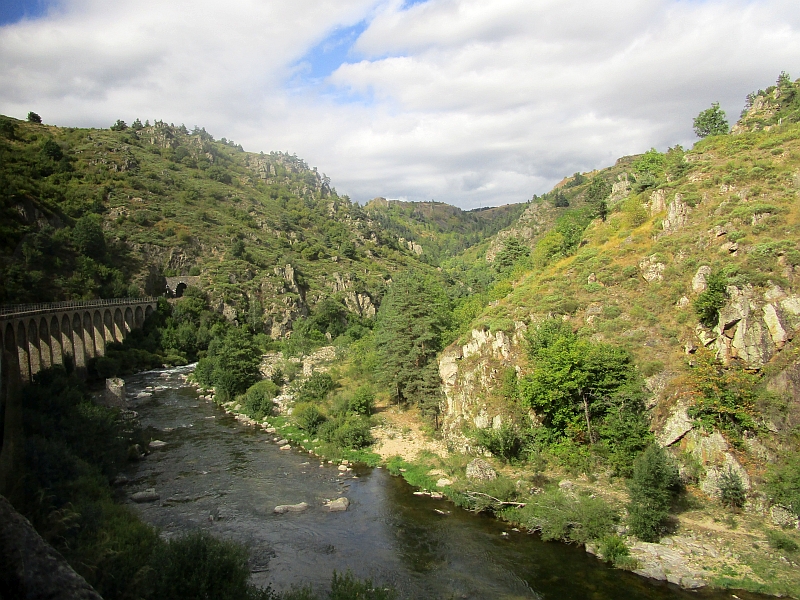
(411, 322)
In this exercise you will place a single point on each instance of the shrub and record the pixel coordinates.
(315, 388)
(507, 442)
(613, 548)
(731, 489)
(783, 483)
(558, 516)
(709, 302)
(347, 432)
(781, 541)
(363, 401)
(308, 417)
(258, 398)
(199, 566)
(654, 481)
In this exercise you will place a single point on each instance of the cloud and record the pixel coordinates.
(464, 101)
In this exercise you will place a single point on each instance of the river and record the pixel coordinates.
(219, 475)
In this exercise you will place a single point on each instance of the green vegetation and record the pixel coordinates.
(711, 121)
(713, 298)
(731, 489)
(726, 396)
(410, 330)
(573, 518)
(783, 483)
(652, 489)
(781, 541)
(586, 392)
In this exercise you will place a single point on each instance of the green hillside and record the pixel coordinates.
(440, 231)
(106, 213)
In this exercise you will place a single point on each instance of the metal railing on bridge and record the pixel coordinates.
(14, 310)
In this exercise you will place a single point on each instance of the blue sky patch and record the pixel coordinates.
(12, 11)
(324, 58)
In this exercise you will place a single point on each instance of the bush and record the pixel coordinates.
(783, 484)
(347, 432)
(308, 417)
(652, 487)
(315, 388)
(613, 548)
(258, 399)
(574, 519)
(781, 541)
(508, 442)
(709, 302)
(200, 567)
(363, 401)
(731, 489)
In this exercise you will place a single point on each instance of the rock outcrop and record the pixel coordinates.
(31, 568)
(469, 372)
(480, 470)
(752, 328)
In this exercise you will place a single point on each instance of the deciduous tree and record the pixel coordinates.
(711, 121)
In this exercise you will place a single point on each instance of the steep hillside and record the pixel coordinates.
(103, 213)
(686, 260)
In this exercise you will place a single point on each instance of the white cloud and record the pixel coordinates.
(465, 101)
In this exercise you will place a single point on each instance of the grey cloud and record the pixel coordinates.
(464, 101)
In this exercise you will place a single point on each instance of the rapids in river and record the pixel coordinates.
(219, 475)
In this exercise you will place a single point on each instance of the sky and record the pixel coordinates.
(470, 102)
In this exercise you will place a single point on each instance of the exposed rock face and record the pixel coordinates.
(666, 563)
(715, 456)
(651, 269)
(31, 568)
(360, 304)
(783, 517)
(658, 202)
(532, 223)
(115, 392)
(699, 283)
(677, 214)
(620, 188)
(480, 470)
(753, 329)
(678, 424)
(469, 373)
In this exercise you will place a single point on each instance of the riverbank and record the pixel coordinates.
(708, 545)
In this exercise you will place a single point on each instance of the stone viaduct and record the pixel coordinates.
(38, 336)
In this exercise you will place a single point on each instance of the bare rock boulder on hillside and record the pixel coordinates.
(480, 470)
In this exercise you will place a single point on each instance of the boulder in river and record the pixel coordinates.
(148, 495)
(156, 444)
(338, 505)
(286, 508)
